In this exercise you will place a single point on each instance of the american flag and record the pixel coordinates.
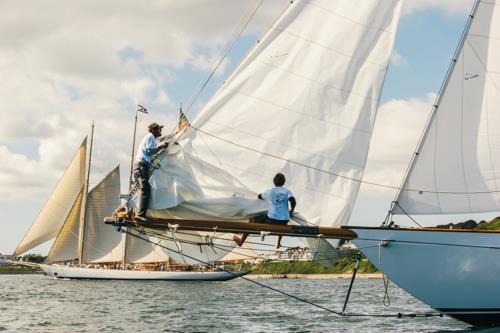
(183, 122)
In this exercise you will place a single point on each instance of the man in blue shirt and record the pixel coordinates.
(277, 199)
(143, 158)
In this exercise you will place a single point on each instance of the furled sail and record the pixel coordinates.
(100, 242)
(57, 208)
(302, 102)
(65, 246)
(457, 169)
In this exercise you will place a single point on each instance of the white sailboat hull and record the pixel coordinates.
(455, 272)
(66, 272)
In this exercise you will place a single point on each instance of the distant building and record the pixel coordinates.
(296, 254)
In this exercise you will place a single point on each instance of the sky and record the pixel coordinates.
(66, 65)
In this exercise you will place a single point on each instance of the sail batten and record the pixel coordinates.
(303, 102)
(457, 169)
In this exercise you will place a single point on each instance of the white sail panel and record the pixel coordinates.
(304, 99)
(101, 242)
(55, 211)
(142, 251)
(65, 246)
(457, 169)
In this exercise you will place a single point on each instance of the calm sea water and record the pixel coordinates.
(35, 303)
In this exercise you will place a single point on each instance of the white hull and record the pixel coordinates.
(456, 273)
(66, 272)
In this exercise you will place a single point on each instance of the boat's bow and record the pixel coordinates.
(454, 271)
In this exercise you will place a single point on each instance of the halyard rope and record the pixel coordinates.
(398, 315)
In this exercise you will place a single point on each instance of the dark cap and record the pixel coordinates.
(154, 126)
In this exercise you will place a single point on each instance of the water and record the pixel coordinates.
(35, 303)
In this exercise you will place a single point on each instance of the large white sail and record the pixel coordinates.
(57, 208)
(302, 102)
(457, 169)
(102, 243)
(65, 246)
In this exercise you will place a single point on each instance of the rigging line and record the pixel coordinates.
(242, 277)
(336, 174)
(398, 315)
(404, 211)
(434, 243)
(197, 94)
(227, 248)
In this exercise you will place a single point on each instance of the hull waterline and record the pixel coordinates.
(455, 272)
(65, 272)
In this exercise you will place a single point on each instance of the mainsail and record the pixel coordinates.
(100, 242)
(59, 205)
(302, 102)
(457, 165)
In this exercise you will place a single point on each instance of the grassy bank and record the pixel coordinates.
(343, 266)
(11, 269)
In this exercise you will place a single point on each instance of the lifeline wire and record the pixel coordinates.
(399, 315)
(336, 174)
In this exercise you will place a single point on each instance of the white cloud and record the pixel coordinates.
(453, 7)
(397, 130)
(94, 60)
(397, 59)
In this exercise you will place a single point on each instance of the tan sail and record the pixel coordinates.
(58, 207)
(102, 243)
(65, 246)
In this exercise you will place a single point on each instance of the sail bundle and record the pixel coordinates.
(457, 165)
(302, 102)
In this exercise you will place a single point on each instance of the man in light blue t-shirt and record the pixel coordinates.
(277, 199)
(147, 149)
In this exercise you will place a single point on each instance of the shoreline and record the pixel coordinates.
(341, 276)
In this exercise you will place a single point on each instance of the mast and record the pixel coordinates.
(142, 109)
(437, 102)
(83, 212)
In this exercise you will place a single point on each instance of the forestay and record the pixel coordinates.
(304, 99)
(457, 169)
(57, 208)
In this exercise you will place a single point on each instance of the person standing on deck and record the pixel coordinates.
(277, 199)
(143, 158)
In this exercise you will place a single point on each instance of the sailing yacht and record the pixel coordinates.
(85, 248)
(455, 169)
(303, 102)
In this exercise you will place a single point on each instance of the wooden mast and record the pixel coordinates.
(83, 211)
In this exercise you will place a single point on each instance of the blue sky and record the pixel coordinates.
(156, 58)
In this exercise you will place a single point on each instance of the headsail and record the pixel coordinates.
(302, 102)
(65, 246)
(457, 169)
(57, 208)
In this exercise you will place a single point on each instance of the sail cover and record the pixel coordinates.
(457, 169)
(302, 102)
(101, 243)
(57, 208)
